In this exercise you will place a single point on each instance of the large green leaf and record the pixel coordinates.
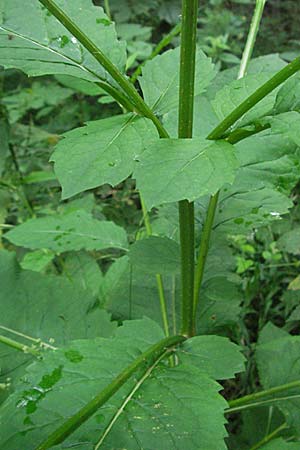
(74, 231)
(32, 40)
(44, 307)
(172, 408)
(278, 363)
(177, 169)
(104, 151)
(160, 80)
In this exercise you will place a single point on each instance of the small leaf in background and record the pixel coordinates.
(104, 151)
(156, 255)
(37, 260)
(177, 169)
(74, 231)
(290, 241)
(294, 285)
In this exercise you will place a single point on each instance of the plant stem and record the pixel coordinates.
(254, 27)
(217, 134)
(25, 336)
(17, 346)
(159, 280)
(262, 394)
(149, 357)
(160, 46)
(114, 72)
(260, 403)
(107, 9)
(203, 250)
(185, 130)
(270, 436)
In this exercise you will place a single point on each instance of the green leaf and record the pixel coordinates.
(288, 97)
(83, 269)
(287, 124)
(290, 241)
(44, 307)
(214, 355)
(73, 231)
(231, 95)
(278, 363)
(156, 255)
(36, 97)
(220, 306)
(37, 260)
(177, 169)
(160, 80)
(171, 407)
(32, 40)
(104, 151)
(280, 444)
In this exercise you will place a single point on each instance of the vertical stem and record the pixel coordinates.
(185, 130)
(254, 27)
(217, 134)
(107, 9)
(159, 280)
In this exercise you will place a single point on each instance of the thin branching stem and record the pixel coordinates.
(159, 279)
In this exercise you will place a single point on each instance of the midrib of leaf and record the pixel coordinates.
(163, 94)
(68, 59)
(128, 398)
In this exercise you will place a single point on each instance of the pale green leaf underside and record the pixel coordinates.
(173, 409)
(160, 80)
(38, 44)
(156, 255)
(176, 169)
(73, 231)
(104, 151)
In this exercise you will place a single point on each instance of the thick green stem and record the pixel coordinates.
(263, 394)
(114, 72)
(159, 280)
(217, 134)
(254, 27)
(149, 357)
(185, 130)
(17, 346)
(269, 437)
(160, 46)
